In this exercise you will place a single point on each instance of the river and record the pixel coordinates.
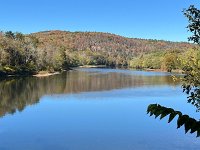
(92, 109)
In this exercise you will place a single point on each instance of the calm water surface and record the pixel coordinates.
(92, 109)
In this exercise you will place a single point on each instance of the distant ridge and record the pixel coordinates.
(57, 31)
(108, 43)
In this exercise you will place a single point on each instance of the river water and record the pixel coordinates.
(92, 109)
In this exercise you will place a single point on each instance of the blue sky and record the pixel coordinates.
(149, 19)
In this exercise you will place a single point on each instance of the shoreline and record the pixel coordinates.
(93, 66)
(45, 74)
(144, 69)
(160, 70)
(41, 74)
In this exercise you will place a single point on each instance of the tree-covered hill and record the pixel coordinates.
(96, 48)
(106, 42)
(110, 45)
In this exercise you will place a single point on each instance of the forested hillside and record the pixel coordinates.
(105, 48)
(58, 50)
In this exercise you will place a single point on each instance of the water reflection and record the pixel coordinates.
(17, 93)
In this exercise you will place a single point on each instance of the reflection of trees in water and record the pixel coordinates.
(83, 81)
(189, 123)
(17, 93)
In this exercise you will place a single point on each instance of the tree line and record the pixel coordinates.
(166, 61)
(59, 50)
(20, 55)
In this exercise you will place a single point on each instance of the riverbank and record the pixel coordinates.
(45, 74)
(5, 75)
(161, 70)
(93, 66)
(144, 69)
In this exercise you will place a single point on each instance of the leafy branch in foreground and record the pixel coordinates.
(188, 122)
